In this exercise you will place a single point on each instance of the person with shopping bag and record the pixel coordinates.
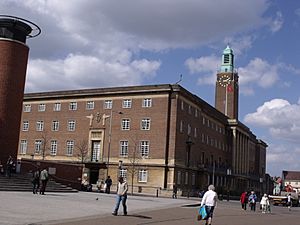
(208, 203)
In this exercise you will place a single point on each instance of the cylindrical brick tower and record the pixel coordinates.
(13, 64)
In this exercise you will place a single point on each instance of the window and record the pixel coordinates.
(23, 147)
(25, 125)
(90, 105)
(41, 107)
(73, 106)
(27, 108)
(196, 112)
(71, 125)
(123, 148)
(145, 124)
(195, 132)
(226, 58)
(181, 126)
(203, 120)
(143, 175)
(144, 148)
(70, 147)
(193, 179)
(108, 104)
(57, 107)
(190, 109)
(125, 124)
(186, 180)
(55, 125)
(53, 147)
(38, 146)
(189, 129)
(178, 177)
(127, 103)
(123, 173)
(147, 102)
(182, 105)
(40, 125)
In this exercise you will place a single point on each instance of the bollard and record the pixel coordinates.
(156, 193)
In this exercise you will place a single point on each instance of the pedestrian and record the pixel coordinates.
(122, 189)
(264, 203)
(252, 201)
(289, 201)
(9, 166)
(1, 169)
(174, 195)
(244, 200)
(44, 179)
(108, 183)
(209, 200)
(35, 181)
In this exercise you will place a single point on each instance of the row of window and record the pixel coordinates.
(205, 121)
(144, 148)
(142, 174)
(125, 125)
(108, 104)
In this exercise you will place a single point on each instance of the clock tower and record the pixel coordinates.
(227, 87)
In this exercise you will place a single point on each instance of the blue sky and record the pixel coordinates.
(97, 43)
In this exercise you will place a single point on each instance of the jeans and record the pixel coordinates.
(120, 198)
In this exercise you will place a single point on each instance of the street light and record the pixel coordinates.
(109, 137)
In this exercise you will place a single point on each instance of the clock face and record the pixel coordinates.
(224, 80)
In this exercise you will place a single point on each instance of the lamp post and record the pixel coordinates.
(228, 173)
(109, 138)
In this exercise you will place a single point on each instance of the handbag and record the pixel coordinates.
(202, 214)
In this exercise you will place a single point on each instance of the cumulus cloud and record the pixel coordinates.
(280, 117)
(110, 35)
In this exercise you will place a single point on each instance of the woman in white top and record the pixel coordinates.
(264, 202)
(209, 200)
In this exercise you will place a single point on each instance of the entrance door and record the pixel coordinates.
(96, 151)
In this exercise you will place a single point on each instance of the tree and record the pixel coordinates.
(133, 167)
(44, 145)
(82, 150)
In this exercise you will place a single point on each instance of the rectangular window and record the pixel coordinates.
(195, 132)
(178, 177)
(71, 125)
(70, 147)
(144, 148)
(123, 148)
(23, 147)
(55, 125)
(125, 124)
(190, 109)
(182, 105)
(42, 107)
(189, 129)
(25, 125)
(143, 176)
(90, 105)
(27, 108)
(181, 126)
(108, 104)
(38, 146)
(145, 124)
(186, 180)
(196, 112)
(123, 173)
(127, 103)
(73, 106)
(57, 106)
(40, 125)
(53, 147)
(147, 102)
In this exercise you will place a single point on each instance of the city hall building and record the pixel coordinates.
(155, 136)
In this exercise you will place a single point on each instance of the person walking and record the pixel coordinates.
(174, 195)
(209, 200)
(252, 201)
(264, 203)
(44, 179)
(289, 201)
(108, 183)
(9, 166)
(122, 189)
(244, 200)
(35, 181)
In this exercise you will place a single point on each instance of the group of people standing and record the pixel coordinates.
(252, 199)
(39, 178)
(9, 168)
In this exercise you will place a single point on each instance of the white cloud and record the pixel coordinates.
(277, 23)
(280, 117)
(239, 44)
(81, 71)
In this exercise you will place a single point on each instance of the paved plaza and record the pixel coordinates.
(24, 208)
